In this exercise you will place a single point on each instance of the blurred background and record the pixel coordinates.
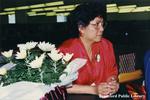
(128, 25)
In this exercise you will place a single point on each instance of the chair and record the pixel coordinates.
(127, 68)
(130, 76)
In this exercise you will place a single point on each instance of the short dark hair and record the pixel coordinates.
(83, 14)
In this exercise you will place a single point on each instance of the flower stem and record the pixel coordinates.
(10, 59)
(55, 67)
(29, 72)
(41, 75)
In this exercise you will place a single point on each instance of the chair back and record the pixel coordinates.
(127, 63)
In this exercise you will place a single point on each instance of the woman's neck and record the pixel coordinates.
(88, 46)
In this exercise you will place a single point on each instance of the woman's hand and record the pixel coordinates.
(108, 88)
(104, 89)
(113, 84)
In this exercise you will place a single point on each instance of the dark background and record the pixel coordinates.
(128, 32)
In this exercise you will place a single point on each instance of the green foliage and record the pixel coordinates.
(36, 62)
(48, 73)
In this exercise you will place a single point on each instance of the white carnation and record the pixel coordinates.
(37, 63)
(7, 54)
(21, 55)
(67, 57)
(46, 46)
(55, 55)
(31, 45)
(3, 71)
(27, 46)
(21, 46)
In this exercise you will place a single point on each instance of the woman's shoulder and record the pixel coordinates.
(70, 42)
(70, 45)
(105, 41)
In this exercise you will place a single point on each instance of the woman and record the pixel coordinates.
(99, 75)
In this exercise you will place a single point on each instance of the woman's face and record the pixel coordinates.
(94, 31)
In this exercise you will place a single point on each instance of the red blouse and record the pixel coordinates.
(93, 71)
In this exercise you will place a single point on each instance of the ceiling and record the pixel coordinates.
(10, 3)
(114, 15)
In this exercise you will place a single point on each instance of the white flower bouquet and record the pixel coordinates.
(37, 63)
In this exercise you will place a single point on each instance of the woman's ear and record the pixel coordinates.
(81, 29)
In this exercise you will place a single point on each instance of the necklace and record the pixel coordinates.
(98, 57)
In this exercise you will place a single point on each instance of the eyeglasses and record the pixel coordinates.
(96, 25)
